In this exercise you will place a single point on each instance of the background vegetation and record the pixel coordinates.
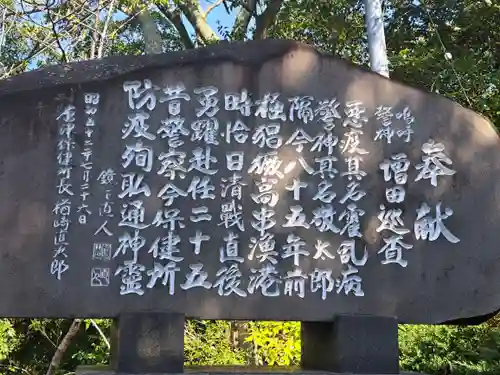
(27, 346)
(451, 47)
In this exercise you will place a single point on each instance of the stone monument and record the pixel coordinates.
(256, 181)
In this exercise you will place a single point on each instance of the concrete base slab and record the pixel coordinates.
(224, 370)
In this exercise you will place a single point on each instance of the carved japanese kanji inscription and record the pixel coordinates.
(282, 185)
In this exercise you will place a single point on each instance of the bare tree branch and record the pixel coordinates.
(212, 7)
(130, 19)
(15, 13)
(79, 9)
(37, 49)
(78, 19)
(243, 19)
(95, 33)
(176, 20)
(2, 29)
(152, 38)
(105, 30)
(54, 30)
(63, 346)
(246, 6)
(101, 333)
(192, 11)
(40, 45)
(265, 20)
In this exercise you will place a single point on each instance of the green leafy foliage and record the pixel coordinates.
(27, 345)
(333, 27)
(9, 340)
(207, 343)
(453, 53)
(275, 343)
(92, 349)
(453, 350)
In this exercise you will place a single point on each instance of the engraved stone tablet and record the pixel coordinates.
(258, 180)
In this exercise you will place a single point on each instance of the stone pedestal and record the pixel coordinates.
(148, 342)
(351, 344)
(225, 370)
(153, 343)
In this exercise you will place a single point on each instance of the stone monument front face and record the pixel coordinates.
(279, 184)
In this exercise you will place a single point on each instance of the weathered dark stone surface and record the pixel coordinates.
(441, 282)
(148, 342)
(353, 344)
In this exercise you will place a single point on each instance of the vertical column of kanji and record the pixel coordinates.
(99, 276)
(266, 170)
(228, 276)
(91, 102)
(325, 144)
(63, 206)
(205, 131)
(300, 110)
(102, 246)
(435, 163)
(165, 249)
(138, 156)
(395, 168)
(350, 148)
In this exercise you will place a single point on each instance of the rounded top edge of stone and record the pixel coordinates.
(80, 72)
(248, 53)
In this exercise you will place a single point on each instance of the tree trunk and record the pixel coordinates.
(63, 346)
